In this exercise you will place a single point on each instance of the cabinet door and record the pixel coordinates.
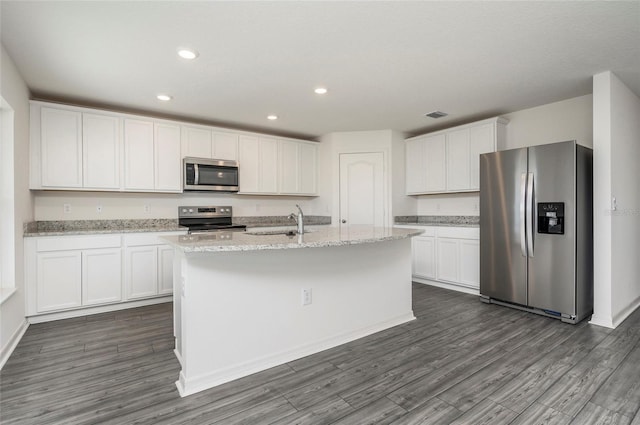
(289, 167)
(458, 160)
(249, 164)
(167, 158)
(308, 168)
(482, 139)
(258, 165)
(447, 259)
(101, 276)
(424, 257)
(268, 166)
(435, 163)
(141, 272)
(61, 148)
(165, 269)
(416, 173)
(225, 146)
(470, 262)
(101, 151)
(196, 142)
(138, 153)
(59, 280)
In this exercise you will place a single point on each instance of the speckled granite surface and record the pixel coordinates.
(279, 220)
(317, 237)
(88, 227)
(96, 227)
(439, 220)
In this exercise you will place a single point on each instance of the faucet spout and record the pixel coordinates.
(300, 220)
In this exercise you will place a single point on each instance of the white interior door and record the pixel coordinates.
(362, 192)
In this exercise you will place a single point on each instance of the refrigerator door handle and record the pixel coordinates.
(523, 216)
(530, 217)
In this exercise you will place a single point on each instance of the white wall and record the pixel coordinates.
(569, 119)
(616, 174)
(15, 93)
(49, 205)
(390, 143)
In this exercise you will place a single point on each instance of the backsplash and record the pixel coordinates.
(450, 220)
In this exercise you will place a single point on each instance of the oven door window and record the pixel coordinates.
(217, 176)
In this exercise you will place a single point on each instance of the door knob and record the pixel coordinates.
(344, 221)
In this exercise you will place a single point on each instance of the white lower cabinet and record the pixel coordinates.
(71, 273)
(101, 276)
(58, 281)
(447, 255)
(148, 267)
(423, 249)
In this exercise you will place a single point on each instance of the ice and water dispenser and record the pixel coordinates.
(551, 218)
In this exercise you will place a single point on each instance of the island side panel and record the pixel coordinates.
(242, 312)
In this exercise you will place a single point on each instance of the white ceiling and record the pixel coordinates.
(385, 63)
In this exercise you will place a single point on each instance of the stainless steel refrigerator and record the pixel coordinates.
(536, 231)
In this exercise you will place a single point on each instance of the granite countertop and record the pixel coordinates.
(438, 220)
(262, 239)
(100, 227)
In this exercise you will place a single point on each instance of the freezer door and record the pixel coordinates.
(552, 263)
(503, 261)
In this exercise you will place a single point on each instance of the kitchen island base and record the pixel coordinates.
(241, 312)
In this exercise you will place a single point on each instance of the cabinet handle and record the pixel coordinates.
(344, 221)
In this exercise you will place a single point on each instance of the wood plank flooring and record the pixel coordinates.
(460, 362)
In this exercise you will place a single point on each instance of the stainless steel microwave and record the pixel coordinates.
(203, 174)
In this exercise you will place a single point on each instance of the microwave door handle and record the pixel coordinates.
(196, 177)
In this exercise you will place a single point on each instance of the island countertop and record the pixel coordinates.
(267, 239)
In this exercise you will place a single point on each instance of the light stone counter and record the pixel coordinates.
(257, 239)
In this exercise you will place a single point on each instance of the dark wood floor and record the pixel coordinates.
(461, 362)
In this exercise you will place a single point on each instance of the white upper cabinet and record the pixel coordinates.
(196, 142)
(138, 155)
(449, 160)
(167, 163)
(258, 165)
(101, 151)
(298, 168)
(458, 160)
(224, 146)
(60, 148)
(201, 142)
(76, 148)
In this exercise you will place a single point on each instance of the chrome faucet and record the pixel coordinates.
(299, 219)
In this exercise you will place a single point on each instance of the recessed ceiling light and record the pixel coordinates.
(164, 97)
(272, 117)
(186, 53)
(320, 90)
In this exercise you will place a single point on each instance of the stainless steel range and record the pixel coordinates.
(208, 219)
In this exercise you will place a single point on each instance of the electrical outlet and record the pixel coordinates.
(99, 209)
(66, 208)
(147, 208)
(306, 296)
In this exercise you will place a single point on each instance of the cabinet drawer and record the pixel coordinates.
(66, 243)
(459, 232)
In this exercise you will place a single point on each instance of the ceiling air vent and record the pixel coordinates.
(436, 114)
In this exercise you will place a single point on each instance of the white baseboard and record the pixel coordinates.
(6, 351)
(95, 310)
(445, 285)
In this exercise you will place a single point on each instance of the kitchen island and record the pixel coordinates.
(248, 301)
